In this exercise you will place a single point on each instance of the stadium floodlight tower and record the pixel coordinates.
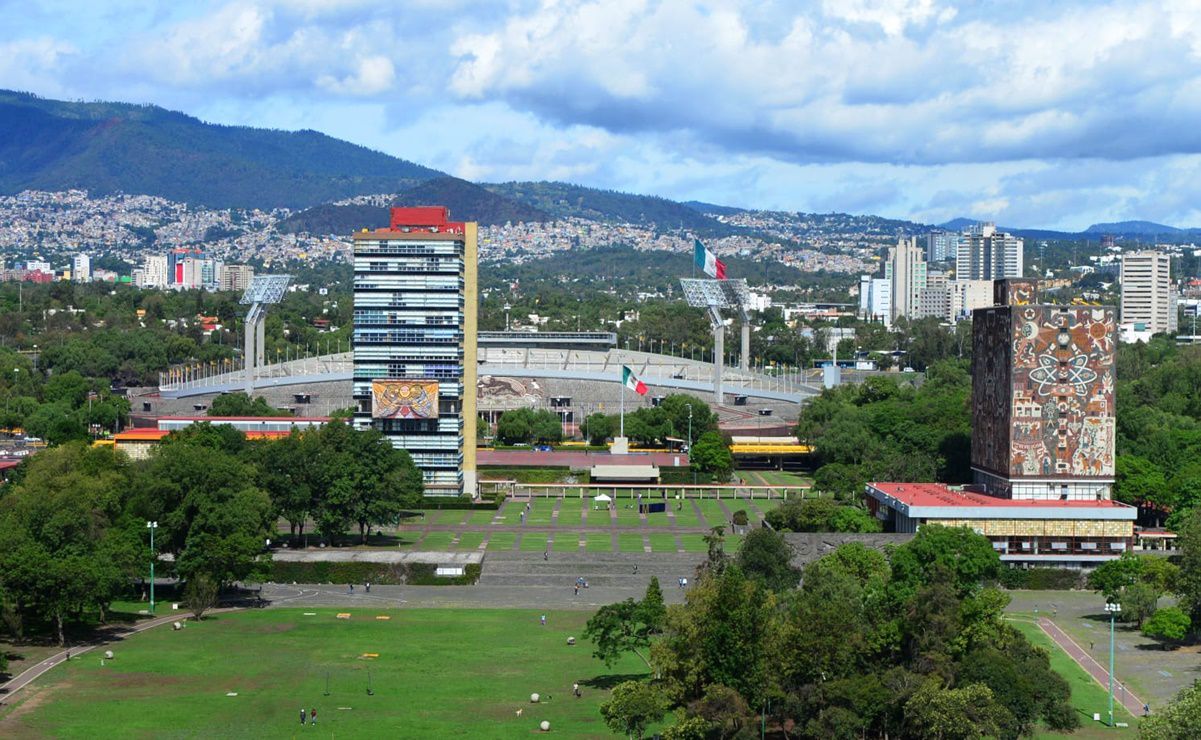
(715, 295)
(262, 292)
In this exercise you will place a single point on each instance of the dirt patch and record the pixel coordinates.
(30, 698)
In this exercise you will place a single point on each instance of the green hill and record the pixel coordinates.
(466, 201)
(116, 147)
(561, 200)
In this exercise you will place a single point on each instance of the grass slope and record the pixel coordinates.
(440, 673)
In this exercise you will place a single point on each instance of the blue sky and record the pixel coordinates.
(1038, 114)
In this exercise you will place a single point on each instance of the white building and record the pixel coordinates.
(875, 299)
(38, 266)
(968, 295)
(154, 272)
(986, 254)
(234, 277)
(81, 268)
(906, 268)
(1147, 291)
(941, 246)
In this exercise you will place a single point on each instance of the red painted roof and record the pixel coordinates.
(937, 494)
(6, 464)
(322, 419)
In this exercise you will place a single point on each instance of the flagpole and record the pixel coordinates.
(623, 402)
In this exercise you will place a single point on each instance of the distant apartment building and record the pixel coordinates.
(81, 268)
(942, 246)
(234, 277)
(153, 273)
(965, 296)
(983, 253)
(875, 299)
(415, 342)
(906, 269)
(38, 266)
(1147, 296)
(934, 299)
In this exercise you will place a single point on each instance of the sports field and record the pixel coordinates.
(439, 673)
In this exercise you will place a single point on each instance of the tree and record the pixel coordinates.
(676, 408)
(1139, 481)
(1176, 721)
(547, 427)
(598, 428)
(1112, 576)
(821, 515)
(968, 557)
(711, 455)
(1188, 582)
(651, 610)
(1169, 624)
(766, 557)
(633, 706)
(722, 709)
(515, 427)
(954, 714)
(239, 404)
(201, 594)
(1139, 601)
(619, 628)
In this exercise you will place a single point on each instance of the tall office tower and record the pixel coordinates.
(415, 342)
(1147, 291)
(986, 254)
(941, 246)
(156, 273)
(234, 277)
(1043, 397)
(81, 268)
(906, 268)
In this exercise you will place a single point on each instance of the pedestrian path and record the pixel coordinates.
(1122, 695)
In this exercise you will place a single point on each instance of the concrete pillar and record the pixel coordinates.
(260, 333)
(744, 360)
(719, 350)
(248, 364)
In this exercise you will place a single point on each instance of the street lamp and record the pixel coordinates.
(1113, 609)
(153, 556)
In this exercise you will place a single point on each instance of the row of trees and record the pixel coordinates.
(908, 644)
(73, 520)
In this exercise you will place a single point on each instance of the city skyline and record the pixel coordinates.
(865, 115)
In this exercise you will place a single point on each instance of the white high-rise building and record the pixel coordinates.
(234, 277)
(155, 271)
(1147, 291)
(81, 268)
(906, 268)
(875, 299)
(987, 254)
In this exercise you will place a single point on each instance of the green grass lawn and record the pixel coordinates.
(781, 478)
(533, 541)
(627, 542)
(1087, 695)
(501, 540)
(440, 673)
(713, 513)
(540, 512)
(663, 542)
(628, 517)
(449, 516)
(694, 543)
(470, 540)
(598, 543)
(686, 516)
(481, 517)
(436, 541)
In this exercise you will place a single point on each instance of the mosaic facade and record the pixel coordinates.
(1043, 391)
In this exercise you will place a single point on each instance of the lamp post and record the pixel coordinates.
(1113, 609)
(153, 556)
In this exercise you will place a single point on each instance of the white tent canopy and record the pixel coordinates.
(602, 497)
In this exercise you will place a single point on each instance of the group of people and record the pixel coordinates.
(312, 716)
(580, 583)
(366, 587)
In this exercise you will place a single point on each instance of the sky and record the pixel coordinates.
(1029, 113)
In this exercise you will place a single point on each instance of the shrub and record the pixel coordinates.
(1041, 579)
(416, 574)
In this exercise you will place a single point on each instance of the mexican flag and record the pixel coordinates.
(707, 261)
(632, 382)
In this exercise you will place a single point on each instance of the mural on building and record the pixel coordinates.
(1056, 400)
(404, 399)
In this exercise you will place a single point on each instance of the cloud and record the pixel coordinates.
(35, 63)
(925, 87)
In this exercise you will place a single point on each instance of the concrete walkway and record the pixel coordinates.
(1121, 695)
(107, 637)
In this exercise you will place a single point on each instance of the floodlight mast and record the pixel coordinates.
(262, 291)
(715, 295)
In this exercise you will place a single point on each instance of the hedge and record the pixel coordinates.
(413, 574)
(1041, 579)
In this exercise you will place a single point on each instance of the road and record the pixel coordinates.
(1121, 695)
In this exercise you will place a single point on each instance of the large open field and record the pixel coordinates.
(439, 673)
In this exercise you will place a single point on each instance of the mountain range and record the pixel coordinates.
(109, 148)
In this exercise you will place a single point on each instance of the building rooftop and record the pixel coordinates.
(938, 494)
